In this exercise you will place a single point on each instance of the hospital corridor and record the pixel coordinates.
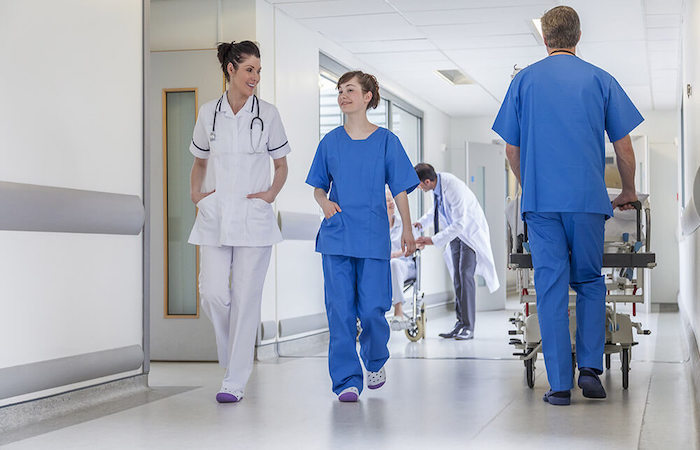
(334, 224)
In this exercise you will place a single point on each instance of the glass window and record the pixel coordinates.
(407, 127)
(180, 109)
(330, 115)
(379, 115)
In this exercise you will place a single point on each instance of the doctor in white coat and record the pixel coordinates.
(460, 224)
(234, 139)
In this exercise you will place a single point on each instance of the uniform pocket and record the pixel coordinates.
(260, 211)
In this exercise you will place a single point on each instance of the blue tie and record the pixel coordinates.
(436, 216)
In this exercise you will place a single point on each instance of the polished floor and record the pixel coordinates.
(439, 394)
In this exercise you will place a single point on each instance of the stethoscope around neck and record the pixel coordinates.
(212, 135)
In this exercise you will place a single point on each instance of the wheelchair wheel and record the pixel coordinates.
(530, 372)
(416, 332)
(607, 361)
(625, 357)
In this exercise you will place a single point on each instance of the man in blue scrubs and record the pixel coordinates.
(554, 119)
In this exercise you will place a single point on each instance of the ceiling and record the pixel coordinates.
(638, 42)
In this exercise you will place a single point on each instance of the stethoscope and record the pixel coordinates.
(212, 135)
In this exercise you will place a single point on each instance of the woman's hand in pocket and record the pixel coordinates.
(197, 197)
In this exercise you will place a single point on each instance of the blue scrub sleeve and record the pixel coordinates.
(507, 123)
(399, 172)
(318, 173)
(621, 116)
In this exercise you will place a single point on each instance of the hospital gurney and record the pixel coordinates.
(624, 262)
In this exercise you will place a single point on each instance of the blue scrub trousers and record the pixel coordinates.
(567, 249)
(356, 287)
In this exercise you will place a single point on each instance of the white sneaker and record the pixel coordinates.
(226, 395)
(350, 394)
(375, 380)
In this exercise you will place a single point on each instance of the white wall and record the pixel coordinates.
(662, 130)
(689, 247)
(70, 117)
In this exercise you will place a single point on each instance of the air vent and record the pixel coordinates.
(455, 77)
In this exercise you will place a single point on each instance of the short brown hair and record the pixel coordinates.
(368, 83)
(561, 27)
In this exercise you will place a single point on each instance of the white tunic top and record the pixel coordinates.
(237, 168)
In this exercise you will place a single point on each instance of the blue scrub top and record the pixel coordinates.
(557, 111)
(356, 172)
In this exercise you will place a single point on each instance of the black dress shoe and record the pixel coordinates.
(449, 335)
(464, 335)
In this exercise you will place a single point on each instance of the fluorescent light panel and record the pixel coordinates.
(454, 77)
(536, 25)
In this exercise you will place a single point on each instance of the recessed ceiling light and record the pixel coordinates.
(536, 26)
(454, 76)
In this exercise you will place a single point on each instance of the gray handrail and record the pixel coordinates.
(29, 207)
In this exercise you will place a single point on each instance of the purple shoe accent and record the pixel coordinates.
(376, 386)
(348, 397)
(225, 397)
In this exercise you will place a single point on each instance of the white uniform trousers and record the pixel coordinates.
(231, 282)
(401, 270)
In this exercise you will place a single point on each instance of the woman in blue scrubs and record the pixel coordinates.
(355, 162)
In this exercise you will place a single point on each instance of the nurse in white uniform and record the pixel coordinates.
(234, 139)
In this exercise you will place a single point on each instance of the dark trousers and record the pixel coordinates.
(464, 264)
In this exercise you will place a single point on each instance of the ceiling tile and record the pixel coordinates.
(436, 5)
(663, 20)
(331, 8)
(664, 6)
(476, 30)
(662, 34)
(374, 27)
(399, 45)
(406, 60)
(458, 42)
(494, 16)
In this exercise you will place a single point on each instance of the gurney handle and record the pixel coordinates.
(637, 206)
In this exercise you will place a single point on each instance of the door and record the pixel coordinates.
(486, 177)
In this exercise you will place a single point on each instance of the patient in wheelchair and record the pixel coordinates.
(403, 269)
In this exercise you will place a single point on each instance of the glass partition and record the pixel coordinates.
(181, 268)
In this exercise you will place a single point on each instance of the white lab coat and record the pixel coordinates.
(236, 169)
(468, 223)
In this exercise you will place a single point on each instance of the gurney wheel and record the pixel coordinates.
(416, 332)
(625, 357)
(530, 372)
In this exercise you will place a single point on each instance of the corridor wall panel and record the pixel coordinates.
(71, 117)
